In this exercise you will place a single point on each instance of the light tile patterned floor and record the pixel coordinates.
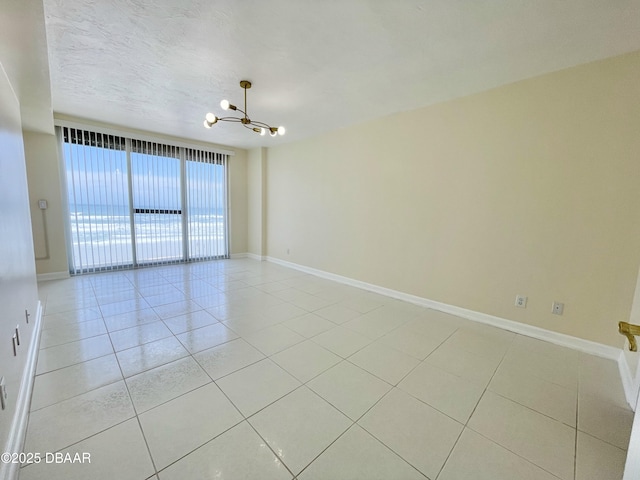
(239, 369)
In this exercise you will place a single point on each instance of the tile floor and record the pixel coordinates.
(240, 369)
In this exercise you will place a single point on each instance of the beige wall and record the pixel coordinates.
(238, 202)
(41, 151)
(532, 189)
(18, 289)
(43, 174)
(256, 201)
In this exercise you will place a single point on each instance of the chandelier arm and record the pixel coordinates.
(230, 119)
(261, 124)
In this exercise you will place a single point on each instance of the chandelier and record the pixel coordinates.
(258, 127)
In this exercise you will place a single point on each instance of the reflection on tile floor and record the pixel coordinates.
(245, 369)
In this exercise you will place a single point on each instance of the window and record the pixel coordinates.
(206, 174)
(135, 202)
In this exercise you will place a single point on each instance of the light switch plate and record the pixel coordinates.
(3, 393)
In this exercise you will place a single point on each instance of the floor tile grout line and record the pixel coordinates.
(77, 339)
(343, 359)
(425, 359)
(171, 399)
(79, 363)
(246, 419)
(453, 447)
(146, 442)
(135, 411)
(271, 448)
(66, 323)
(345, 413)
(353, 422)
(465, 424)
(144, 342)
(190, 355)
(72, 364)
(487, 389)
(547, 416)
(603, 441)
(579, 430)
(513, 452)
(539, 377)
(200, 446)
(214, 381)
(90, 436)
(265, 406)
(163, 364)
(407, 374)
(77, 395)
(230, 373)
(269, 357)
(357, 422)
(326, 448)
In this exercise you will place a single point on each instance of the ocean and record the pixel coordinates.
(101, 236)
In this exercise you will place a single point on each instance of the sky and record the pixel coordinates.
(98, 176)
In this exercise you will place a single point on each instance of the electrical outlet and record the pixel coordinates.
(3, 394)
(521, 301)
(557, 308)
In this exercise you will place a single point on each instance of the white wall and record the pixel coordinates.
(18, 290)
(531, 188)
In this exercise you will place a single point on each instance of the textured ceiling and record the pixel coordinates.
(160, 65)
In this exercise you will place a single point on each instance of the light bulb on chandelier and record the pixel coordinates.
(258, 127)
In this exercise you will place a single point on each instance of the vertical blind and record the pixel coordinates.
(157, 202)
(135, 202)
(98, 200)
(206, 196)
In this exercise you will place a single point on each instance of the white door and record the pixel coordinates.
(632, 467)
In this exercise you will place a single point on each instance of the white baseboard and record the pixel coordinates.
(628, 382)
(631, 385)
(253, 256)
(44, 277)
(18, 432)
(561, 339)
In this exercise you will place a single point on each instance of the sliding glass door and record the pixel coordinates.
(157, 203)
(206, 180)
(134, 202)
(98, 200)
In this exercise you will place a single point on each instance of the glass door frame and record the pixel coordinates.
(184, 194)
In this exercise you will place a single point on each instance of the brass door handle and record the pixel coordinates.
(630, 330)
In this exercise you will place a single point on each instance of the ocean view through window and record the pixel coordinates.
(134, 203)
